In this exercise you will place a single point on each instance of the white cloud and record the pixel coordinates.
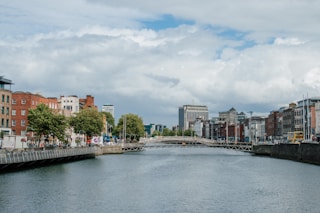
(100, 48)
(288, 41)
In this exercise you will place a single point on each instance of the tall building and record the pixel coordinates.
(21, 103)
(108, 108)
(5, 104)
(189, 113)
(229, 116)
(305, 117)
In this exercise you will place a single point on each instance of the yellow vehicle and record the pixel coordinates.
(295, 137)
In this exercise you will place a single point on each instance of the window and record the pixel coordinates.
(2, 110)
(7, 123)
(32, 102)
(13, 123)
(8, 110)
(13, 112)
(23, 101)
(2, 122)
(23, 122)
(3, 98)
(23, 112)
(8, 99)
(14, 101)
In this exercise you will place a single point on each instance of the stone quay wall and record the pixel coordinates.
(304, 152)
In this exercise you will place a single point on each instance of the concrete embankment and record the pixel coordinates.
(304, 152)
(110, 149)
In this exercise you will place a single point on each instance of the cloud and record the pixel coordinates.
(288, 41)
(245, 55)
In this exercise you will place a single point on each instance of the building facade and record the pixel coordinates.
(305, 117)
(288, 120)
(108, 108)
(22, 102)
(87, 102)
(69, 104)
(5, 104)
(189, 113)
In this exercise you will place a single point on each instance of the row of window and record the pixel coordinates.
(4, 98)
(23, 101)
(14, 112)
(3, 111)
(3, 123)
(14, 123)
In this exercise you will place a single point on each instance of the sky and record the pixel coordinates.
(151, 57)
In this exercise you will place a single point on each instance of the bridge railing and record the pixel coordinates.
(27, 156)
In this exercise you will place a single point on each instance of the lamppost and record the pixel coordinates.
(81, 138)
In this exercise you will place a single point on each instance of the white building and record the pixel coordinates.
(108, 108)
(70, 103)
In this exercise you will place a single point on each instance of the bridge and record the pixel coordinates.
(183, 141)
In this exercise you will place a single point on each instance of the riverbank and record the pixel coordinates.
(304, 152)
(30, 158)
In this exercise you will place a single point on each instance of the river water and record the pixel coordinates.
(165, 180)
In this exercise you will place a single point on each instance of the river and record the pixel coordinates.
(165, 180)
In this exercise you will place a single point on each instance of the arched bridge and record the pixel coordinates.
(183, 141)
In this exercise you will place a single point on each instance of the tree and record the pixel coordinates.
(45, 123)
(88, 121)
(168, 132)
(156, 133)
(109, 120)
(134, 127)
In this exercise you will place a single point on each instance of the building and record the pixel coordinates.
(5, 104)
(305, 117)
(271, 125)
(149, 129)
(21, 103)
(108, 108)
(69, 104)
(189, 113)
(288, 120)
(229, 116)
(87, 102)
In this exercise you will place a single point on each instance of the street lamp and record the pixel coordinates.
(81, 138)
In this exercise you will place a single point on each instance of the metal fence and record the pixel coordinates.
(28, 156)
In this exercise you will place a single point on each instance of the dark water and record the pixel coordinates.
(166, 180)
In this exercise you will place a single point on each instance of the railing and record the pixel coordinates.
(154, 142)
(29, 156)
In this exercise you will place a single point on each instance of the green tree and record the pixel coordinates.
(44, 123)
(110, 121)
(168, 132)
(88, 121)
(134, 127)
(156, 133)
(189, 132)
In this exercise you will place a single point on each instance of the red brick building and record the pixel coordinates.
(87, 102)
(21, 103)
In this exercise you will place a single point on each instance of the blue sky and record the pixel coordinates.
(150, 58)
(165, 21)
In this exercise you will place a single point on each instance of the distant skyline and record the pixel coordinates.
(151, 58)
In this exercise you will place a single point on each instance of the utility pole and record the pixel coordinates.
(124, 131)
(250, 125)
(236, 129)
